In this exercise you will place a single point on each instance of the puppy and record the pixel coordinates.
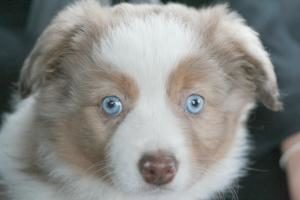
(135, 102)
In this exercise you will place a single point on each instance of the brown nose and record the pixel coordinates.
(158, 169)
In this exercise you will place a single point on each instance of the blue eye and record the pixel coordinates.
(194, 104)
(112, 105)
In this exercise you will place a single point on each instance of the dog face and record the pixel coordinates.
(147, 98)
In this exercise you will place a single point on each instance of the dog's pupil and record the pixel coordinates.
(195, 103)
(111, 104)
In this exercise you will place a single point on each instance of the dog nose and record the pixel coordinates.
(158, 169)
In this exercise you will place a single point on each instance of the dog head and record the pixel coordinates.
(148, 98)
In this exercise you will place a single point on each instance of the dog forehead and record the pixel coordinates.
(147, 48)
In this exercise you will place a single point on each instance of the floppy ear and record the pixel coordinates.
(241, 55)
(70, 31)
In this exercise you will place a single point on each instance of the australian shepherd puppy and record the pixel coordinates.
(135, 102)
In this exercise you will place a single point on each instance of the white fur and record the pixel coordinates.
(13, 141)
(156, 44)
(147, 50)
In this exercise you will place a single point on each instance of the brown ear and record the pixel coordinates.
(69, 32)
(241, 54)
(257, 73)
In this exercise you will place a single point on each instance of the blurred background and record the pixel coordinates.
(277, 21)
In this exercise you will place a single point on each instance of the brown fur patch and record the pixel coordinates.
(71, 31)
(81, 134)
(211, 132)
(229, 77)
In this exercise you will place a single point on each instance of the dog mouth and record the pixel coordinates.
(141, 187)
(151, 190)
(158, 190)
